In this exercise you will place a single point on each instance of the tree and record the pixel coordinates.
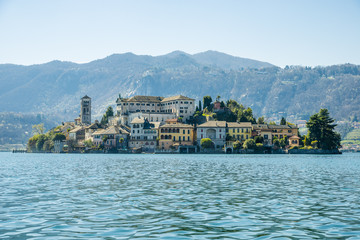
(40, 142)
(207, 100)
(321, 129)
(261, 120)
(38, 129)
(276, 143)
(59, 136)
(200, 108)
(249, 144)
(272, 123)
(109, 113)
(282, 142)
(206, 143)
(88, 143)
(259, 139)
(283, 121)
(237, 145)
(218, 98)
(222, 104)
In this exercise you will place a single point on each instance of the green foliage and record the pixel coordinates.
(237, 145)
(282, 142)
(321, 129)
(283, 121)
(272, 123)
(104, 138)
(206, 143)
(38, 129)
(207, 100)
(259, 139)
(276, 143)
(88, 143)
(109, 113)
(261, 120)
(259, 147)
(200, 108)
(40, 142)
(249, 144)
(59, 136)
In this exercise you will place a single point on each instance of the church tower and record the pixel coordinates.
(85, 113)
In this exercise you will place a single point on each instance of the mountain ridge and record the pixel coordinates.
(56, 87)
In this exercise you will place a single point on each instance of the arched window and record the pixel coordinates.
(162, 136)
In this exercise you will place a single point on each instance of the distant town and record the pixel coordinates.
(154, 124)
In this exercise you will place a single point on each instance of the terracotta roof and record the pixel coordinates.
(75, 130)
(297, 137)
(177, 125)
(140, 98)
(213, 124)
(282, 126)
(178, 97)
(239, 124)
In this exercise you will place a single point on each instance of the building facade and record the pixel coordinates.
(154, 108)
(143, 134)
(175, 135)
(215, 130)
(239, 131)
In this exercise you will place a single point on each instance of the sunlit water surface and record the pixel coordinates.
(49, 196)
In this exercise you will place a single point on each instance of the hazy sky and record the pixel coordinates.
(302, 32)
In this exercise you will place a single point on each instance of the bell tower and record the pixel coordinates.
(85, 112)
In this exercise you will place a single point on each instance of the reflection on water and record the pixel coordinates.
(46, 196)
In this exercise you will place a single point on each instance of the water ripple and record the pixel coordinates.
(179, 196)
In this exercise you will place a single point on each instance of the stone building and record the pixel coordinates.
(85, 112)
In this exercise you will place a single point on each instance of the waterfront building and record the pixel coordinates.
(281, 131)
(89, 130)
(175, 134)
(215, 130)
(111, 137)
(294, 141)
(239, 131)
(77, 134)
(264, 131)
(143, 134)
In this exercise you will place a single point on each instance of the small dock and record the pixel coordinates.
(19, 151)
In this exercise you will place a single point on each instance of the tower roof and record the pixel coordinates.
(86, 96)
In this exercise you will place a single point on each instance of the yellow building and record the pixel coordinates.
(239, 131)
(175, 134)
(281, 131)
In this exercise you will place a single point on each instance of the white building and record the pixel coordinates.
(215, 130)
(155, 109)
(143, 134)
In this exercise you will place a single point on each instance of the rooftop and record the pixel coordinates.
(178, 97)
(213, 124)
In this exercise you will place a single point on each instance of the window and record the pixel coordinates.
(233, 130)
(174, 138)
(219, 130)
(179, 138)
(202, 136)
(190, 102)
(181, 111)
(138, 104)
(247, 136)
(202, 130)
(220, 136)
(184, 131)
(186, 102)
(265, 136)
(188, 131)
(131, 104)
(143, 104)
(138, 131)
(289, 131)
(242, 130)
(183, 138)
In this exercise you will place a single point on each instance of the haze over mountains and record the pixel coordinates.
(55, 88)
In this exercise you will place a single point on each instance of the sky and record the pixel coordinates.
(299, 32)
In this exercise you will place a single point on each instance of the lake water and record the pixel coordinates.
(64, 196)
